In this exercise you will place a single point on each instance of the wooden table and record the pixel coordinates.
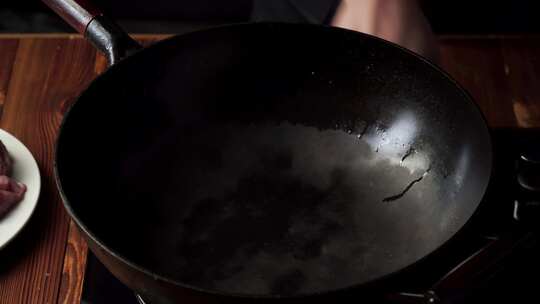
(40, 76)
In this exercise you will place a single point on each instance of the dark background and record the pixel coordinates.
(174, 16)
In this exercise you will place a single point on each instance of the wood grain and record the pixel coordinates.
(478, 66)
(522, 68)
(46, 77)
(74, 267)
(8, 49)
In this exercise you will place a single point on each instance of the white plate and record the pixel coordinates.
(25, 170)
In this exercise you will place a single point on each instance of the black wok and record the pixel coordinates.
(266, 160)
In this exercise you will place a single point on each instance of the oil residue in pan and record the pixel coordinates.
(282, 208)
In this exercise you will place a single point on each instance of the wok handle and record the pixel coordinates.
(78, 13)
(102, 32)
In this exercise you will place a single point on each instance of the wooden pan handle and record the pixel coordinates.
(78, 13)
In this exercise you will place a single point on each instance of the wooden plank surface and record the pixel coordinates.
(8, 49)
(478, 66)
(41, 76)
(46, 77)
(74, 266)
(522, 68)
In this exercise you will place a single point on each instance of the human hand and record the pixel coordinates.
(398, 21)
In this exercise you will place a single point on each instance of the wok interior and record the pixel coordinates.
(273, 160)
